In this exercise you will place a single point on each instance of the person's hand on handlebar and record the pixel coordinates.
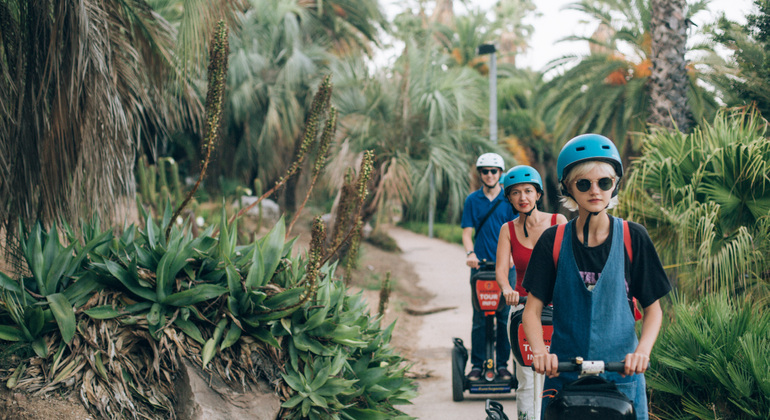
(472, 260)
(511, 296)
(546, 363)
(636, 363)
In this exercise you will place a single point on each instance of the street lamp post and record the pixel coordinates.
(483, 50)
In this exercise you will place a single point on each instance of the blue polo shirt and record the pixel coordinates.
(477, 205)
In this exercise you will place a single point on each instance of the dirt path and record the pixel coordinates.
(441, 269)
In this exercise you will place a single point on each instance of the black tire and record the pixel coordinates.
(458, 375)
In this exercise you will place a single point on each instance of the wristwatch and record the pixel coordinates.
(468, 254)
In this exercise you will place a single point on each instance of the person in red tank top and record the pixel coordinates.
(523, 188)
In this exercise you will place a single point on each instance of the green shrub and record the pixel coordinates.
(452, 233)
(712, 361)
(382, 240)
(207, 299)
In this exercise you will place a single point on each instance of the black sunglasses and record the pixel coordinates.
(488, 171)
(584, 185)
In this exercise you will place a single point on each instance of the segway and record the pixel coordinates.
(487, 297)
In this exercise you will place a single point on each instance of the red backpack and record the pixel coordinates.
(626, 242)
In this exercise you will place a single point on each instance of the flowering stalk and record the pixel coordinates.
(319, 105)
(320, 162)
(217, 78)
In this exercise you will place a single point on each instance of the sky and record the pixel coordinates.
(554, 24)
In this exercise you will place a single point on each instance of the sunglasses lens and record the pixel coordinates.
(583, 185)
(605, 184)
(489, 171)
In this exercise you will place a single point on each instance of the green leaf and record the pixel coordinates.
(9, 284)
(366, 414)
(232, 336)
(103, 312)
(38, 345)
(209, 351)
(236, 291)
(284, 299)
(189, 328)
(34, 256)
(82, 289)
(271, 248)
(9, 333)
(90, 246)
(256, 276)
(153, 317)
(151, 233)
(128, 281)
(59, 265)
(195, 295)
(65, 316)
(265, 336)
(34, 319)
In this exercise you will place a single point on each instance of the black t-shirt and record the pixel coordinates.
(648, 281)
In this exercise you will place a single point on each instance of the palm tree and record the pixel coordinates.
(669, 81)
(608, 90)
(422, 121)
(705, 200)
(277, 59)
(84, 85)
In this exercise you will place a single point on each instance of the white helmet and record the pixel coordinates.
(490, 160)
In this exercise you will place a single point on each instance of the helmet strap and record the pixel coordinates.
(527, 214)
(585, 226)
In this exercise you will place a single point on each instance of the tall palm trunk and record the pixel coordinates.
(669, 81)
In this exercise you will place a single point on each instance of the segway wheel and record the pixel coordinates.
(458, 380)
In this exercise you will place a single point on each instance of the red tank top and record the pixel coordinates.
(521, 256)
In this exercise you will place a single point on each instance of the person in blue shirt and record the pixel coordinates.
(484, 212)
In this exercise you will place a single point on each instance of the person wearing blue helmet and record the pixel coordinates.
(484, 212)
(523, 188)
(603, 262)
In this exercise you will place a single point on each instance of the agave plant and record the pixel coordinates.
(41, 303)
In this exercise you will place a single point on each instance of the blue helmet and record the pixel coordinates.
(587, 147)
(522, 174)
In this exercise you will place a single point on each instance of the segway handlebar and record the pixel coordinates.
(591, 367)
(486, 265)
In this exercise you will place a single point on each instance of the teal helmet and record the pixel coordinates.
(522, 174)
(587, 147)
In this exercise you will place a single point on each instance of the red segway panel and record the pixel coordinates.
(525, 356)
(520, 347)
(486, 294)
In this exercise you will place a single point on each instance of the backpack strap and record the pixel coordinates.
(557, 243)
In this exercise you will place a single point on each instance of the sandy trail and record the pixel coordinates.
(442, 272)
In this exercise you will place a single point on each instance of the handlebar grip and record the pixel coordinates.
(615, 367)
(568, 367)
(522, 300)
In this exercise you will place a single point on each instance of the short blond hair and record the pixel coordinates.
(580, 170)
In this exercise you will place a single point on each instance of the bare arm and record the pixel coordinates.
(471, 260)
(543, 362)
(639, 360)
(503, 266)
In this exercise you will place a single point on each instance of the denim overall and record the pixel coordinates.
(597, 324)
